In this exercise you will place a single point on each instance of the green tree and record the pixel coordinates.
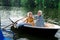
(59, 10)
(16, 3)
(6, 3)
(30, 5)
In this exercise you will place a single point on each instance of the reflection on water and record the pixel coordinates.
(23, 39)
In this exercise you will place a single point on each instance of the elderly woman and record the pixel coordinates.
(39, 19)
(30, 19)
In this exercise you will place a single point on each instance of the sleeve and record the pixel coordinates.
(35, 17)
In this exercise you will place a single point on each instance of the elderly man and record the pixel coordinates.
(39, 19)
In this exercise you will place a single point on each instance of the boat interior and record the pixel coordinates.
(47, 25)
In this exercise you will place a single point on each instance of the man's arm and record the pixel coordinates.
(35, 17)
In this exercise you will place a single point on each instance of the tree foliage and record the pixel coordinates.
(50, 8)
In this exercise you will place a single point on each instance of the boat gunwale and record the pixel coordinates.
(40, 27)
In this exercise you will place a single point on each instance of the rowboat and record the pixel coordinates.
(48, 31)
(36, 31)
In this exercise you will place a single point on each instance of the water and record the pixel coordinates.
(5, 15)
(8, 33)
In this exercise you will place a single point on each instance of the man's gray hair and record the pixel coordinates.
(40, 11)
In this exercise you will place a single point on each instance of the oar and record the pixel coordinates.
(13, 22)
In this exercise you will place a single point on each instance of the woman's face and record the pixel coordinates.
(30, 14)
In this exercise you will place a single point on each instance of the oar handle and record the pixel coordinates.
(11, 20)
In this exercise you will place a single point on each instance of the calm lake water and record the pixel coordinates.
(8, 33)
